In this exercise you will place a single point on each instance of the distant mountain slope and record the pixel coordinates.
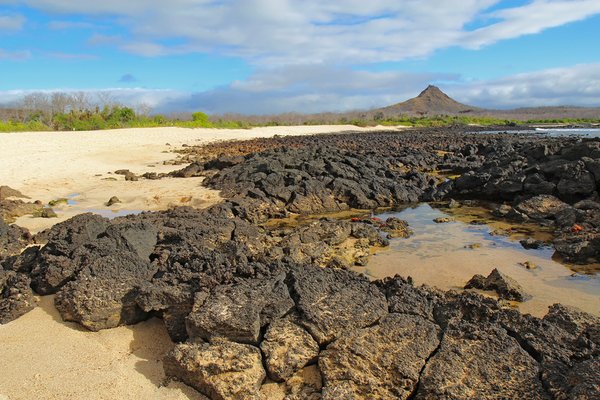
(431, 101)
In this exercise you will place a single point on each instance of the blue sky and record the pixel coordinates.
(270, 56)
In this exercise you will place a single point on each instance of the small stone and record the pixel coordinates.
(443, 220)
(53, 203)
(396, 228)
(502, 210)
(473, 246)
(113, 200)
(531, 243)
(48, 213)
(505, 286)
(131, 177)
(528, 265)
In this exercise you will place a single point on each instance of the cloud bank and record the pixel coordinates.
(280, 32)
(312, 89)
(305, 54)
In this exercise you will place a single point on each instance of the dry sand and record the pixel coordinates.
(75, 165)
(45, 358)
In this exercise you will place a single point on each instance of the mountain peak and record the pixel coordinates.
(432, 90)
(430, 101)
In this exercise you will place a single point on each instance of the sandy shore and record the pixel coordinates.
(78, 165)
(45, 358)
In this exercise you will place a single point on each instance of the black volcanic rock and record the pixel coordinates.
(16, 297)
(333, 302)
(280, 287)
(506, 287)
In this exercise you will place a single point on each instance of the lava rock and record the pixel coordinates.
(13, 239)
(396, 228)
(287, 348)
(404, 298)
(383, 361)
(99, 304)
(482, 362)
(506, 287)
(222, 370)
(332, 302)
(541, 207)
(16, 297)
(238, 311)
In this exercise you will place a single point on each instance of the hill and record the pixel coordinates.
(431, 101)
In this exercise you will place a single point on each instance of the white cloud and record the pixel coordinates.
(60, 25)
(11, 22)
(531, 18)
(270, 32)
(578, 86)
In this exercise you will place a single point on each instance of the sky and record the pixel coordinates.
(273, 56)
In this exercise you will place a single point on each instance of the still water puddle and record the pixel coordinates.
(110, 214)
(447, 255)
(74, 205)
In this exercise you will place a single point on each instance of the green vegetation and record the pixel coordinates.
(15, 126)
(115, 117)
(448, 120)
(109, 118)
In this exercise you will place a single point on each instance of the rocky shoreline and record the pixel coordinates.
(247, 304)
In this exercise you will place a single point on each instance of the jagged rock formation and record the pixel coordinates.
(244, 301)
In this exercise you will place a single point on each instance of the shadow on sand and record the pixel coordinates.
(150, 343)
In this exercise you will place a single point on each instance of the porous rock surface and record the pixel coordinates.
(287, 348)
(16, 297)
(222, 370)
(383, 361)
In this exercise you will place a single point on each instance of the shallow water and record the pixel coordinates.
(110, 214)
(447, 255)
(558, 132)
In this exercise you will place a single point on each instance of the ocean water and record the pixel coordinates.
(586, 132)
(557, 132)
